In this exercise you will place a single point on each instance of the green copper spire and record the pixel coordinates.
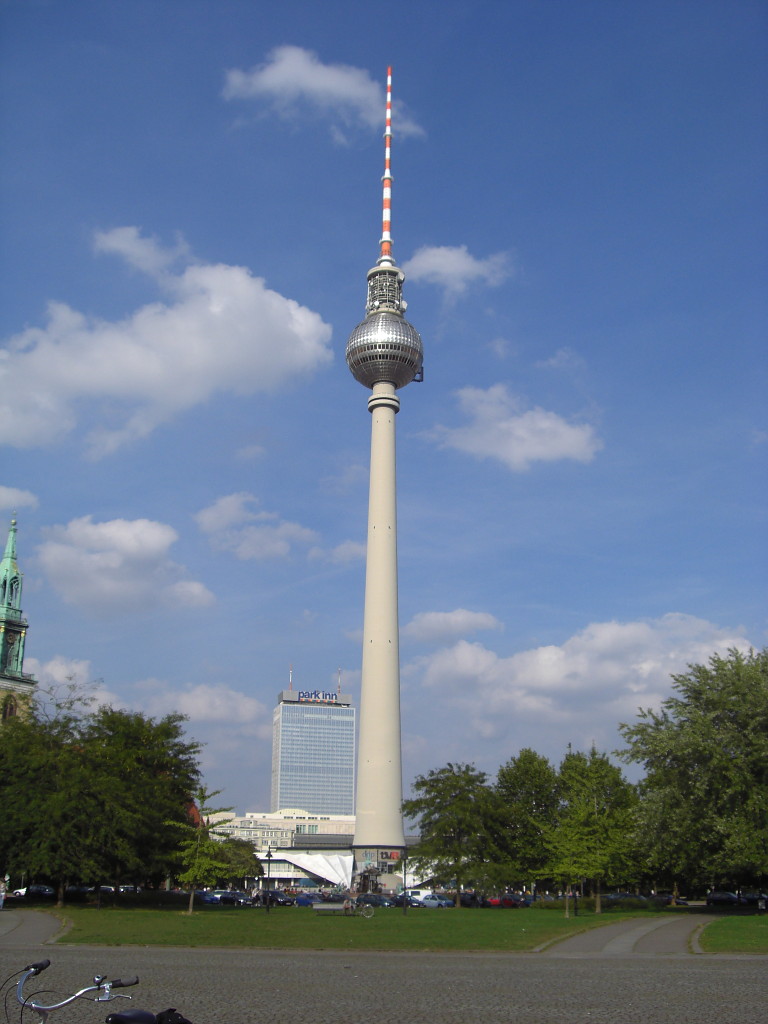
(10, 577)
(16, 686)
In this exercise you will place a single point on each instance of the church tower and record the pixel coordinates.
(16, 687)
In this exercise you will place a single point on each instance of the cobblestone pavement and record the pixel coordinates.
(610, 986)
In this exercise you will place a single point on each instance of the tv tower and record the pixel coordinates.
(384, 353)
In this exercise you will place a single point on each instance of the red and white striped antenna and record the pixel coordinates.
(386, 221)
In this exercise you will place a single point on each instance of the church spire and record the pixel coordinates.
(14, 682)
(10, 577)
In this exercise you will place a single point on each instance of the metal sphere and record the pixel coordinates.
(384, 347)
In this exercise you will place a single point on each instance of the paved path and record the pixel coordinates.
(674, 935)
(627, 976)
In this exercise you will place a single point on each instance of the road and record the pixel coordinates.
(625, 973)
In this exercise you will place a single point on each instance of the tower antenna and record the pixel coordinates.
(386, 213)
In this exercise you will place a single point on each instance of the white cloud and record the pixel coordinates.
(431, 627)
(453, 268)
(601, 675)
(500, 429)
(293, 78)
(232, 526)
(145, 254)
(58, 671)
(116, 566)
(222, 331)
(564, 359)
(347, 551)
(203, 703)
(14, 497)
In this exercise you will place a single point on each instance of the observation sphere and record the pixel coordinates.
(384, 347)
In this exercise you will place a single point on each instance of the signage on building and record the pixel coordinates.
(317, 695)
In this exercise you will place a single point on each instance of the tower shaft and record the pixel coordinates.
(379, 822)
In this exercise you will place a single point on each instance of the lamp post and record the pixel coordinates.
(269, 864)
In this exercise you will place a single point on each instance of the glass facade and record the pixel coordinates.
(313, 755)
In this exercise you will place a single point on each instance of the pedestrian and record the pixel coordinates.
(3, 890)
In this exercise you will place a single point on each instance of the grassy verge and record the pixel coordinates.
(301, 928)
(736, 934)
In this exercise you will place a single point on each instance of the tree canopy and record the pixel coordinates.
(528, 788)
(461, 826)
(703, 811)
(591, 837)
(86, 795)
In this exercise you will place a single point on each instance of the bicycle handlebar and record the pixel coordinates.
(100, 985)
(38, 967)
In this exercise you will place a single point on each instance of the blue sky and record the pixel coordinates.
(191, 198)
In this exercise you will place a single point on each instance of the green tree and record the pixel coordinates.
(151, 768)
(528, 787)
(241, 861)
(704, 799)
(200, 850)
(84, 794)
(461, 827)
(592, 837)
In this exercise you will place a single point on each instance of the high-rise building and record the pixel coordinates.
(313, 752)
(384, 353)
(16, 686)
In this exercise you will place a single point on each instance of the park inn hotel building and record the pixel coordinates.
(313, 752)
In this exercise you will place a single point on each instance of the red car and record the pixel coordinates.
(507, 900)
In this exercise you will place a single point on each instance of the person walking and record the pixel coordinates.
(3, 890)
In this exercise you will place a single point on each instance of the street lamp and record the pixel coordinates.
(269, 862)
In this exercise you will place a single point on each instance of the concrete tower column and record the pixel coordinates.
(379, 820)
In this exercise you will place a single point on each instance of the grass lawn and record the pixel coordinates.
(736, 934)
(301, 928)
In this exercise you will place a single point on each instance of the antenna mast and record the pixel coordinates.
(386, 218)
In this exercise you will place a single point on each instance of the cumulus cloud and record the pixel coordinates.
(59, 671)
(203, 703)
(220, 331)
(117, 566)
(453, 268)
(14, 497)
(342, 554)
(431, 627)
(294, 80)
(232, 526)
(606, 672)
(501, 429)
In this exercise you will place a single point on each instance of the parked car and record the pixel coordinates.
(205, 897)
(437, 902)
(668, 899)
(308, 899)
(507, 900)
(753, 898)
(232, 897)
(36, 892)
(719, 898)
(277, 898)
(419, 894)
(402, 898)
(374, 899)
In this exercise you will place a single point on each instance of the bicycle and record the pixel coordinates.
(361, 910)
(101, 985)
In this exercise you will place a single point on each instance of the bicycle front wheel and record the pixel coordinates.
(366, 911)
